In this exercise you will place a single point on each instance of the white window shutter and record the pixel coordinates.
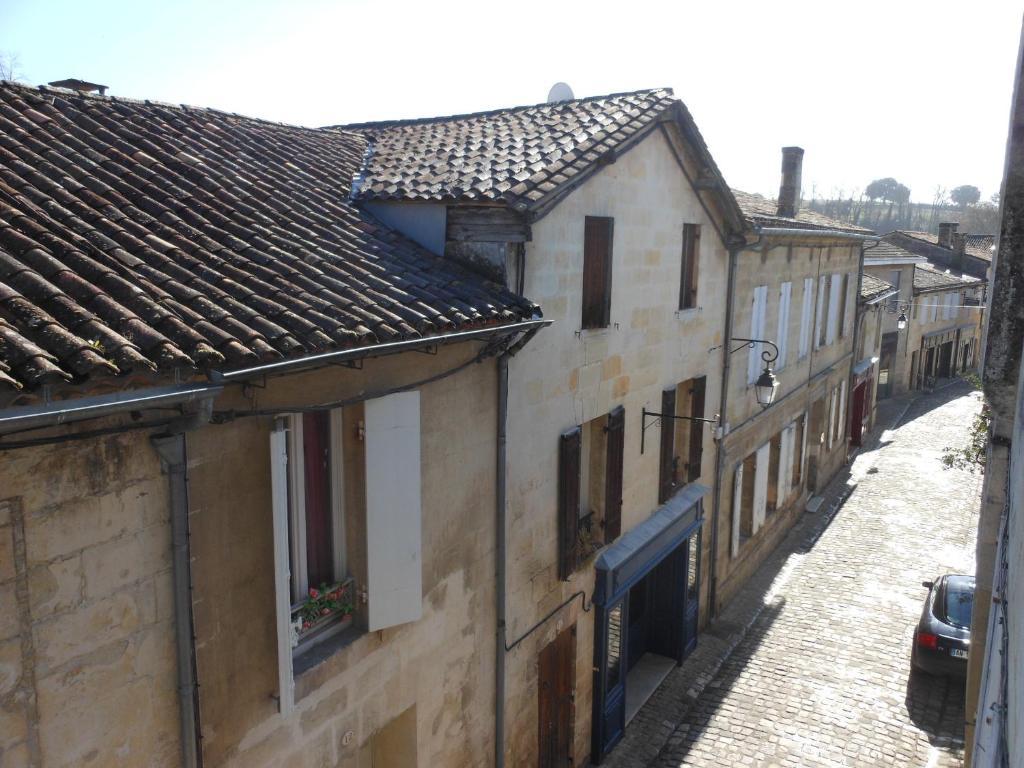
(757, 327)
(282, 577)
(761, 486)
(831, 420)
(820, 311)
(803, 450)
(785, 292)
(737, 508)
(785, 465)
(848, 304)
(805, 317)
(842, 411)
(833, 309)
(393, 519)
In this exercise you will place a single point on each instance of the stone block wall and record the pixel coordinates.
(87, 656)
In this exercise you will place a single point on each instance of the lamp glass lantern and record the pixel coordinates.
(765, 387)
(901, 321)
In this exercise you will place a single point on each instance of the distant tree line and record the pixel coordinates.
(884, 205)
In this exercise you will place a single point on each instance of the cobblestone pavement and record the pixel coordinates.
(811, 665)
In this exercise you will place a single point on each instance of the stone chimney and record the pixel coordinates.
(947, 233)
(789, 191)
(959, 251)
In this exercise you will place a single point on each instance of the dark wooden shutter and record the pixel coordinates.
(613, 474)
(696, 428)
(668, 410)
(568, 502)
(597, 271)
(688, 274)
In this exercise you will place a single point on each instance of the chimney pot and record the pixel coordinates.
(947, 233)
(789, 191)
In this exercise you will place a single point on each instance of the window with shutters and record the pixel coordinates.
(774, 500)
(821, 312)
(843, 300)
(690, 263)
(590, 488)
(782, 331)
(597, 271)
(688, 435)
(806, 313)
(746, 507)
(325, 464)
(799, 449)
(758, 315)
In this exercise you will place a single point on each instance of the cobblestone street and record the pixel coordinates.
(819, 675)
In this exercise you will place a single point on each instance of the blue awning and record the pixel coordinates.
(639, 550)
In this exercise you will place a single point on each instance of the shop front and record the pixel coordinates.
(646, 599)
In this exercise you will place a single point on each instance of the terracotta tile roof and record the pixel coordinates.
(762, 212)
(931, 276)
(872, 287)
(519, 156)
(979, 246)
(145, 237)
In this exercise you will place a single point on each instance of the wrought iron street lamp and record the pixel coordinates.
(901, 321)
(767, 383)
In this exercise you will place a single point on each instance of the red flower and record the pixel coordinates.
(313, 593)
(335, 595)
(306, 625)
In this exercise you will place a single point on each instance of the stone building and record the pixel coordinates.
(872, 313)
(995, 674)
(969, 254)
(609, 212)
(248, 439)
(796, 285)
(942, 312)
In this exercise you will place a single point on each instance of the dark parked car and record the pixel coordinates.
(943, 635)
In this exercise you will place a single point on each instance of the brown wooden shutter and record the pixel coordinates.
(696, 428)
(597, 271)
(688, 273)
(613, 474)
(668, 410)
(568, 501)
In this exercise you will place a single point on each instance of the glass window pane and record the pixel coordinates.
(959, 600)
(614, 645)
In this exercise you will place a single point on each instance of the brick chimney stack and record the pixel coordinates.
(959, 251)
(789, 191)
(947, 233)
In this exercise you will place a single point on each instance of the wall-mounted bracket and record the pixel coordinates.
(658, 417)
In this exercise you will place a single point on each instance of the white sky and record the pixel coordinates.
(912, 89)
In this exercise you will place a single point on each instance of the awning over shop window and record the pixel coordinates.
(638, 551)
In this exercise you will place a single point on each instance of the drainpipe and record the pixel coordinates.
(171, 449)
(500, 598)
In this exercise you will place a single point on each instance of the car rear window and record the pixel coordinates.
(959, 601)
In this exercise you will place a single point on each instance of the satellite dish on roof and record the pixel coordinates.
(560, 92)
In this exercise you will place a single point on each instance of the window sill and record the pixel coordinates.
(689, 313)
(327, 642)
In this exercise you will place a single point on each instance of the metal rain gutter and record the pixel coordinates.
(65, 411)
(831, 234)
(374, 350)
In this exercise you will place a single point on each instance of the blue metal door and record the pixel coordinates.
(610, 654)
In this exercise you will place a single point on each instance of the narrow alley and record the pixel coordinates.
(820, 674)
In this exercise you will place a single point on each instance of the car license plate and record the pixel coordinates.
(958, 653)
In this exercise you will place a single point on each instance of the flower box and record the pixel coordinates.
(325, 612)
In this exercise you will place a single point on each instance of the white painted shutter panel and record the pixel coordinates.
(805, 317)
(848, 304)
(842, 411)
(833, 309)
(757, 316)
(820, 311)
(282, 577)
(803, 450)
(737, 508)
(785, 465)
(394, 562)
(785, 292)
(831, 419)
(761, 486)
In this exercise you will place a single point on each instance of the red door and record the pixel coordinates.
(857, 415)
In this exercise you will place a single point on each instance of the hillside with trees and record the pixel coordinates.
(885, 205)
